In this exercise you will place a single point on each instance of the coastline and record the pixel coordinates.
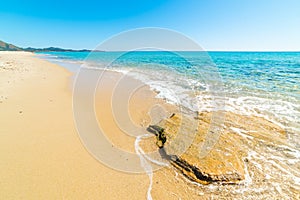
(42, 152)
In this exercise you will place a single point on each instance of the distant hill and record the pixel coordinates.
(53, 49)
(8, 47)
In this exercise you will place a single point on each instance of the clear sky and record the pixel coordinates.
(215, 24)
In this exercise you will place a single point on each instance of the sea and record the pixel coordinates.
(263, 84)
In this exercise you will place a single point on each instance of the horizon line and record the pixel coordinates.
(257, 51)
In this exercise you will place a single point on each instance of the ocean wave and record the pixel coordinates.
(197, 96)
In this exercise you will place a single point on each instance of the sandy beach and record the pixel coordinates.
(41, 154)
(155, 100)
(43, 157)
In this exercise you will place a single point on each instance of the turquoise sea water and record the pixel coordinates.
(261, 83)
(264, 84)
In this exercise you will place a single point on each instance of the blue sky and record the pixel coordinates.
(253, 25)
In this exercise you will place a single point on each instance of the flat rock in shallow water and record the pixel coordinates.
(209, 148)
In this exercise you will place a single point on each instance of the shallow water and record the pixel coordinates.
(260, 83)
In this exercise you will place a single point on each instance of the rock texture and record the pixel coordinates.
(205, 155)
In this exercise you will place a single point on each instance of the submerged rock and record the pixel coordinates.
(204, 155)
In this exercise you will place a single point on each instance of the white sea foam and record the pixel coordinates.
(145, 164)
(196, 96)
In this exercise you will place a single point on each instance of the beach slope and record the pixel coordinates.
(41, 154)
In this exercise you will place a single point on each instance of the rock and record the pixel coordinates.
(159, 133)
(181, 140)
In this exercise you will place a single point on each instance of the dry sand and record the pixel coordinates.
(41, 155)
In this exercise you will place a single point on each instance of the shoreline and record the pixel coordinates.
(243, 132)
(262, 105)
(42, 152)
